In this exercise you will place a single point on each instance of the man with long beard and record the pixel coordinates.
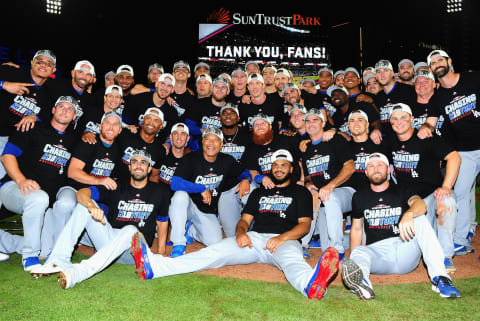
(258, 157)
(456, 101)
(282, 216)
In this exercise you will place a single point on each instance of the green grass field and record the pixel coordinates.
(116, 294)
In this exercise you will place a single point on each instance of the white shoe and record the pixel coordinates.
(4, 257)
(45, 270)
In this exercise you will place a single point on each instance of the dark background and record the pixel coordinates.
(110, 33)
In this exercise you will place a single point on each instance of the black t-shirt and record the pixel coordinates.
(141, 102)
(213, 176)
(132, 206)
(43, 155)
(100, 160)
(64, 87)
(382, 211)
(205, 114)
(92, 119)
(14, 107)
(458, 105)
(235, 100)
(421, 112)
(341, 120)
(128, 143)
(168, 166)
(235, 145)
(259, 157)
(417, 162)
(277, 210)
(324, 161)
(183, 103)
(270, 107)
(401, 93)
(318, 100)
(360, 153)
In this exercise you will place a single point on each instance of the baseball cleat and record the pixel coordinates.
(353, 278)
(462, 249)
(348, 229)
(177, 250)
(4, 257)
(65, 279)
(449, 267)
(31, 263)
(314, 242)
(325, 270)
(445, 287)
(139, 250)
(45, 270)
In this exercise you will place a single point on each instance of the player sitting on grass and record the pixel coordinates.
(282, 215)
(397, 232)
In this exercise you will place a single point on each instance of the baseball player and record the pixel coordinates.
(455, 100)
(36, 163)
(416, 163)
(326, 167)
(198, 184)
(236, 141)
(134, 206)
(282, 215)
(397, 233)
(91, 164)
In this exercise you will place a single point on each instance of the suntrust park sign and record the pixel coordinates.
(223, 16)
(261, 19)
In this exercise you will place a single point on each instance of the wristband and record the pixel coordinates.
(258, 178)
(1, 84)
(152, 90)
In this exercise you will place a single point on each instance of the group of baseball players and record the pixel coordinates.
(252, 165)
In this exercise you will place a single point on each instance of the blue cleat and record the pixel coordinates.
(178, 250)
(314, 242)
(444, 286)
(449, 267)
(31, 263)
(462, 249)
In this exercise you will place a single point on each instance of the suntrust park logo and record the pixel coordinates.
(222, 16)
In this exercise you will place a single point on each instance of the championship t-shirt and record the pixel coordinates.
(168, 166)
(141, 102)
(400, 93)
(323, 161)
(128, 143)
(259, 157)
(15, 107)
(100, 160)
(360, 153)
(213, 175)
(382, 211)
(458, 105)
(93, 117)
(340, 120)
(131, 206)
(271, 107)
(277, 210)
(235, 145)
(43, 155)
(183, 103)
(417, 162)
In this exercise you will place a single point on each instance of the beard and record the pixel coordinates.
(262, 139)
(229, 126)
(378, 180)
(280, 181)
(441, 71)
(139, 177)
